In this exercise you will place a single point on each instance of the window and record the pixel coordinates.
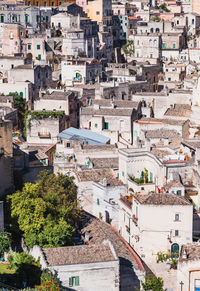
(39, 57)
(197, 284)
(47, 18)
(177, 217)
(106, 126)
(123, 95)
(163, 45)
(151, 56)
(37, 18)
(96, 125)
(151, 30)
(121, 125)
(26, 18)
(98, 202)
(174, 45)
(166, 70)
(37, 3)
(45, 3)
(122, 174)
(192, 21)
(68, 145)
(52, 4)
(179, 192)
(169, 79)
(97, 13)
(151, 178)
(177, 22)
(2, 18)
(29, 46)
(176, 233)
(74, 281)
(150, 42)
(38, 46)
(59, 24)
(21, 94)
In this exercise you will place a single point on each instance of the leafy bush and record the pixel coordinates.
(48, 282)
(5, 241)
(153, 283)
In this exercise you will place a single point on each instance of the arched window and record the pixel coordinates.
(151, 30)
(150, 42)
(157, 30)
(155, 42)
(175, 249)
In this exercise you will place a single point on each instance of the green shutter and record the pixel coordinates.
(39, 57)
(21, 94)
(77, 281)
(106, 125)
(26, 18)
(38, 47)
(2, 18)
(47, 18)
(70, 282)
(29, 46)
(37, 18)
(59, 24)
(98, 202)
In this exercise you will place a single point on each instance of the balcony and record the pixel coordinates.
(44, 135)
(127, 201)
(77, 79)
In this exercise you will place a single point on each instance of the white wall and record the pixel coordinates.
(108, 201)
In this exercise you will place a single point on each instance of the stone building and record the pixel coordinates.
(111, 118)
(82, 267)
(6, 157)
(80, 71)
(48, 3)
(147, 47)
(44, 128)
(27, 16)
(66, 102)
(140, 226)
(188, 267)
(105, 201)
(11, 37)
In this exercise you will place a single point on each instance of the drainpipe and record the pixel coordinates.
(195, 270)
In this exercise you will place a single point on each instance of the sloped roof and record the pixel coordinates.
(99, 231)
(161, 199)
(78, 254)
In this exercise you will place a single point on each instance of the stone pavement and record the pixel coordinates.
(161, 270)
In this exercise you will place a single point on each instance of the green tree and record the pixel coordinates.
(46, 211)
(153, 283)
(27, 269)
(5, 241)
